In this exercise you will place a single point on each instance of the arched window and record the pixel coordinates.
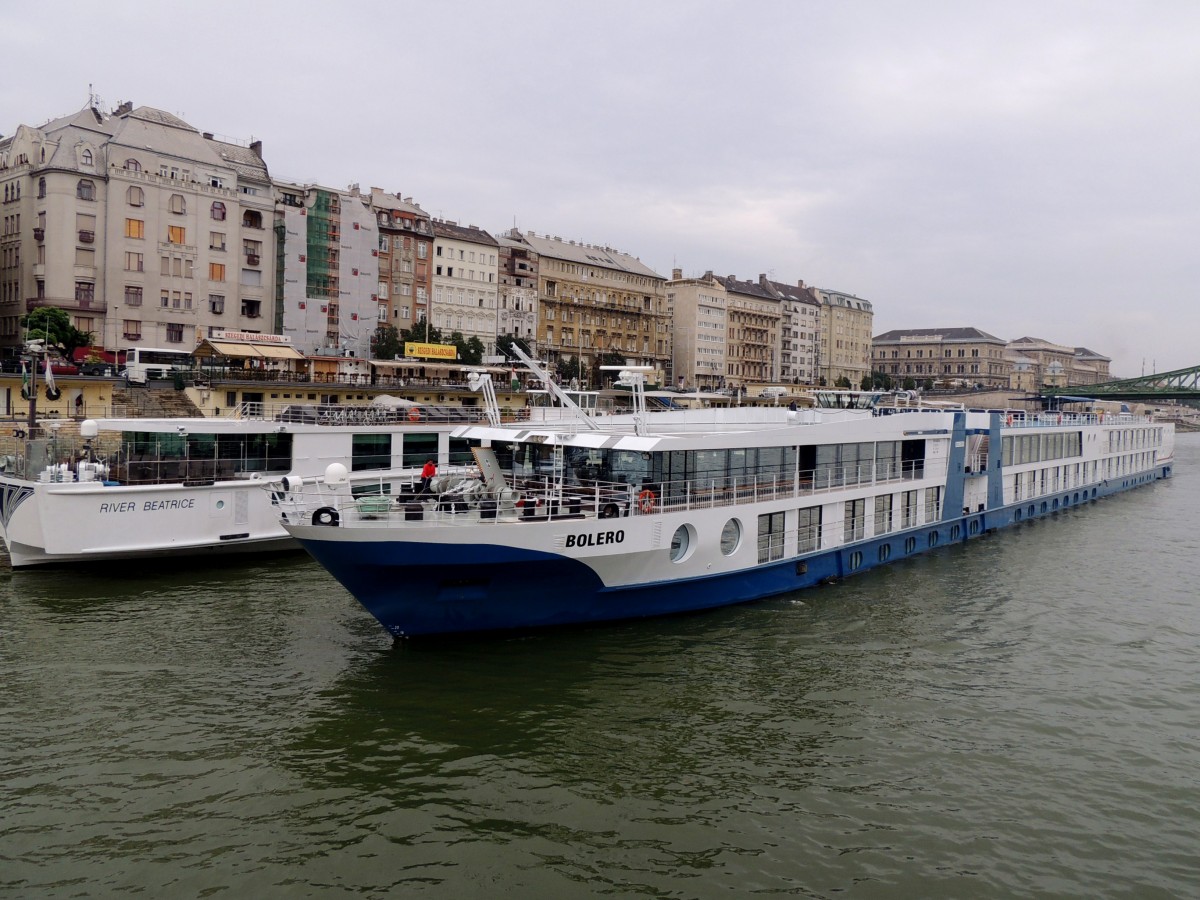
(86, 157)
(133, 165)
(177, 204)
(135, 195)
(218, 211)
(85, 190)
(251, 219)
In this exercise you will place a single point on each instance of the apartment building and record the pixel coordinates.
(142, 228)
(405, 259)
(327, 256)
(466, 262)
(595, 300)
(845, 332)
(698, 311)
(754, 315)
(517, 301)
(946, 356)
(799, 325)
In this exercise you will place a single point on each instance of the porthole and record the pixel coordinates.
(955, 532)
(933, 539)
(973, 528)
(1017, 515)
(856, 560)
(910, 544)
(220, 504)
(885, 552)
(731, 537)
(681, 543)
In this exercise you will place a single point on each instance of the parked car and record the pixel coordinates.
(773, 393)
(63, 368)
(99, 368)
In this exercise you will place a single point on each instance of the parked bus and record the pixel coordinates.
(144, 363)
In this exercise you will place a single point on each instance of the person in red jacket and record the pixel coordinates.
(427, 472)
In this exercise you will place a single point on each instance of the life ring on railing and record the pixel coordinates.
(326, 515)
(646, 501)
(53, 393)
(1009, 420)
(414, 414)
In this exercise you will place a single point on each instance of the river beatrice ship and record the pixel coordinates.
(594, 518)
(150, 488)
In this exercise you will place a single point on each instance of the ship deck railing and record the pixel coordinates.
(539, 498)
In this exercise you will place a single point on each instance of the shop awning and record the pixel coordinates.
(244, 350)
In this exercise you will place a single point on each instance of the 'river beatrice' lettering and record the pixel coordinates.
(128, 506)
(595, 540)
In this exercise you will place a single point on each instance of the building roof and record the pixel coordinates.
(748, 288)
(588, 254)
(467, 233)
(946, 335)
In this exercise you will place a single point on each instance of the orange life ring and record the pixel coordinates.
(414, 414)
(646, 501)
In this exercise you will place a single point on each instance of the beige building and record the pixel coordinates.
(946, 356)
(844, 338)
(1037, 362)
(465, 269)
(144, 230)
(596, 300)
(698, 310)
(755, 315)
(405, 259)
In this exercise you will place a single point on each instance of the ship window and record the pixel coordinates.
(371, 451)
(808, 529)
(955, 532)
(910, 544)
(933, 539)
(770, 537)
(731, 537)
(681, 543)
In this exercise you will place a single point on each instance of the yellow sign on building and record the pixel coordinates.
(431, 351)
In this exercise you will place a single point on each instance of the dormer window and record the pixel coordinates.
(86, 157)
(132, 165)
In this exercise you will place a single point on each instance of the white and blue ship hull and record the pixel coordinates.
(457, 572)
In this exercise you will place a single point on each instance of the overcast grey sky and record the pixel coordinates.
(1028, 168)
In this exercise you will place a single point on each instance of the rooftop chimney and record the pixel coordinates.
(256, 148)
(677, 274)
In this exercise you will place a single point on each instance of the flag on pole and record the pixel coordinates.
(50, 386)
(24, 380)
